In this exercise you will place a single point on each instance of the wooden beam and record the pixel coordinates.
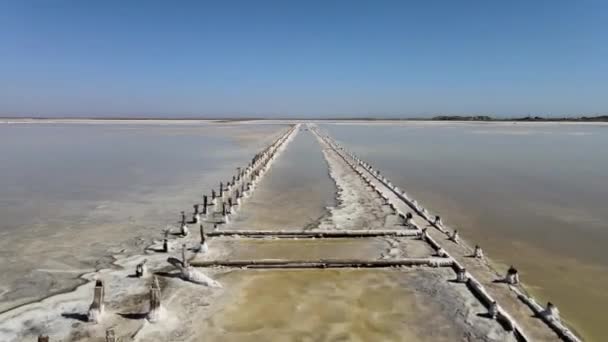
(325, 263)
(314, 234)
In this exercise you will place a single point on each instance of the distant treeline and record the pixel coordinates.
(601, 118)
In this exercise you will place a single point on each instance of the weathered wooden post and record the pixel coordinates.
(478, 253)
(205, 204)
(551, 311)
(196, 217)
(424, 235)
(461, 275)
(224, 213)
(155, 306)
(221, 190)
(437, 221)
(43, 338)
(96, 308)
(442, 253)
(204, 247)
(229, 205)
(184, 228)
(408, 218)
(512, 276)
(493, 310)
(141, 269)
(454, 236)
(184, 259)
(110, 336)
(233, 180)
(165, 245)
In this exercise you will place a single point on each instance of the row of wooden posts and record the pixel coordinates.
(550, 314)
(512, 276)
(246, 178)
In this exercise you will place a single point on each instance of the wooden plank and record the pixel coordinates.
(314, 234)
(325, 263)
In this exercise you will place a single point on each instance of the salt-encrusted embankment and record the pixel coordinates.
(502, 296)
(358, 191)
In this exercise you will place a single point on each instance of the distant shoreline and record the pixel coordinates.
(600, 118)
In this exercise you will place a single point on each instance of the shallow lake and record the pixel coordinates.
(71, 195)
(532, 195)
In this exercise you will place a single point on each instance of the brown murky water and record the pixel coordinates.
(305, 249)
(295, 191)
(532, 195)
(331, 305)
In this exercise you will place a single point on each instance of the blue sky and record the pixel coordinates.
(303, 58)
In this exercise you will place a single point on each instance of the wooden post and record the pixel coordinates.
(552, 311)
(185, 230)
(461, 275)
(221, 189)
(154, 313)
(408, 218)
(512, 277)
(204, 247)
(184, 259)
(196, 217)
(437, 220)
(205, 205)
(442, 253)
(96, 308)
(493, 310)
(183, 218)
(454, 236)
(424, 236)
(478, 253)
(165, 245)
(110, 336)
(141, 269)
(43, 338)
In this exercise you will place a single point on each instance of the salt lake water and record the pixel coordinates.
(71, 195)
(532, 195)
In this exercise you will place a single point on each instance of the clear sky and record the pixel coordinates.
(303, 58)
